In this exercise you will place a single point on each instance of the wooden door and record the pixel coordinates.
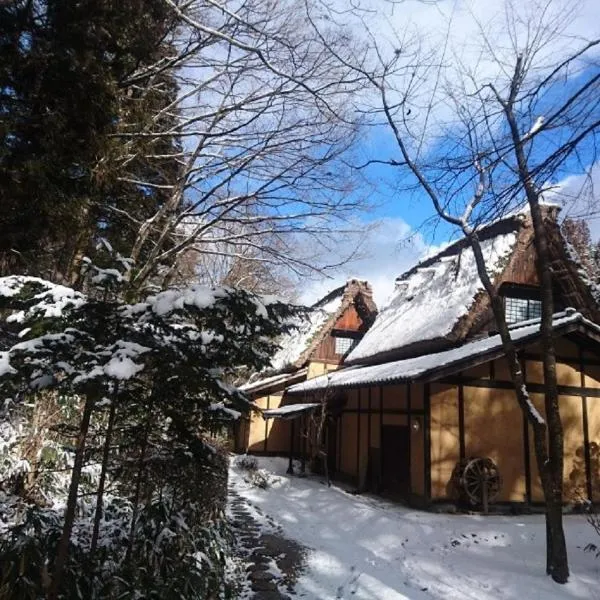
(395, 459)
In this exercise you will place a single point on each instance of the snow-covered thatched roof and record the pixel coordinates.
(288, 365)
(430, 299)
(439, 364)
(310, 329)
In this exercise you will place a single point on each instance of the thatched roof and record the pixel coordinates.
(430, 299)
(440, 303)
(309, 330)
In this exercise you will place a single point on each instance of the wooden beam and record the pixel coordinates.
(536, 388)
(461, 421)
(586, 430)
(410, 434)
(380, 437)
(303, 434)
(267, 424)
(389, 411)
(526, 445)
(358, 439)
(340, 427)
(290, 469)
(369, 426)
(427, 443)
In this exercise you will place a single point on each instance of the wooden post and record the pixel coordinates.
(290, 469)
(304, 434)
(461, 421)
(427, 440)
(380, 439)
(586, 430)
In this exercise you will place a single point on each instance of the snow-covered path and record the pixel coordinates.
(367, 549)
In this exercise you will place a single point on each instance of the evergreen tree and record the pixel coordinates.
(65, 91)
(140, 384)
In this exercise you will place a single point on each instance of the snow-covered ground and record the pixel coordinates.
(365, 548)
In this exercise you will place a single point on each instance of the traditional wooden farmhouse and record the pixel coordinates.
(424, 407)
(317, 344)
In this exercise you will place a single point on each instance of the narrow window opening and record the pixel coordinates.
(522, 309)
(343, 345)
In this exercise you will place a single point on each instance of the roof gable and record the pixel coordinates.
(308, 331)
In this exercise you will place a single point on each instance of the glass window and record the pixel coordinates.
(343, 345)
(522, 309)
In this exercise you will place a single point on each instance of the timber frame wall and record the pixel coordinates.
(368, 409)
(475, 413)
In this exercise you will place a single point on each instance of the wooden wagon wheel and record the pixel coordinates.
(481, 481)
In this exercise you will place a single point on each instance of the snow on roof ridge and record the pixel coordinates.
(353, 282)
(430, 299)
(452, 248)
(569, 311)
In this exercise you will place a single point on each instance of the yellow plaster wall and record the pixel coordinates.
(568, 374)
(494, 429)
(571, 414)
(256, 434)
(319, 368)
(593, 405)
(445, 450)
(276, 430)
(534, 369)
(592, 376)
(536, 487)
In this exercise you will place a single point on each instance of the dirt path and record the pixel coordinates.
(273, 561)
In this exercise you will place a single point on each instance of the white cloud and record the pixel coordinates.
(389, 249)
(457, 39)
(580, 198)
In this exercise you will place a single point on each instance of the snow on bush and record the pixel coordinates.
(109, 488)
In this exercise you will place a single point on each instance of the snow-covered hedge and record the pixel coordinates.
(109, 487)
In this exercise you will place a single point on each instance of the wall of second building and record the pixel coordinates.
(270, 436)
(476, 414)
(273, 435)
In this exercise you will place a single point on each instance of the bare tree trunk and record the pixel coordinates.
(557, 563)
(63, 545)
(557, 566)
(101, 483)
(556, 553)
(138, 485)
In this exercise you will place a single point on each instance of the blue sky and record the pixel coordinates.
(406, 231)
